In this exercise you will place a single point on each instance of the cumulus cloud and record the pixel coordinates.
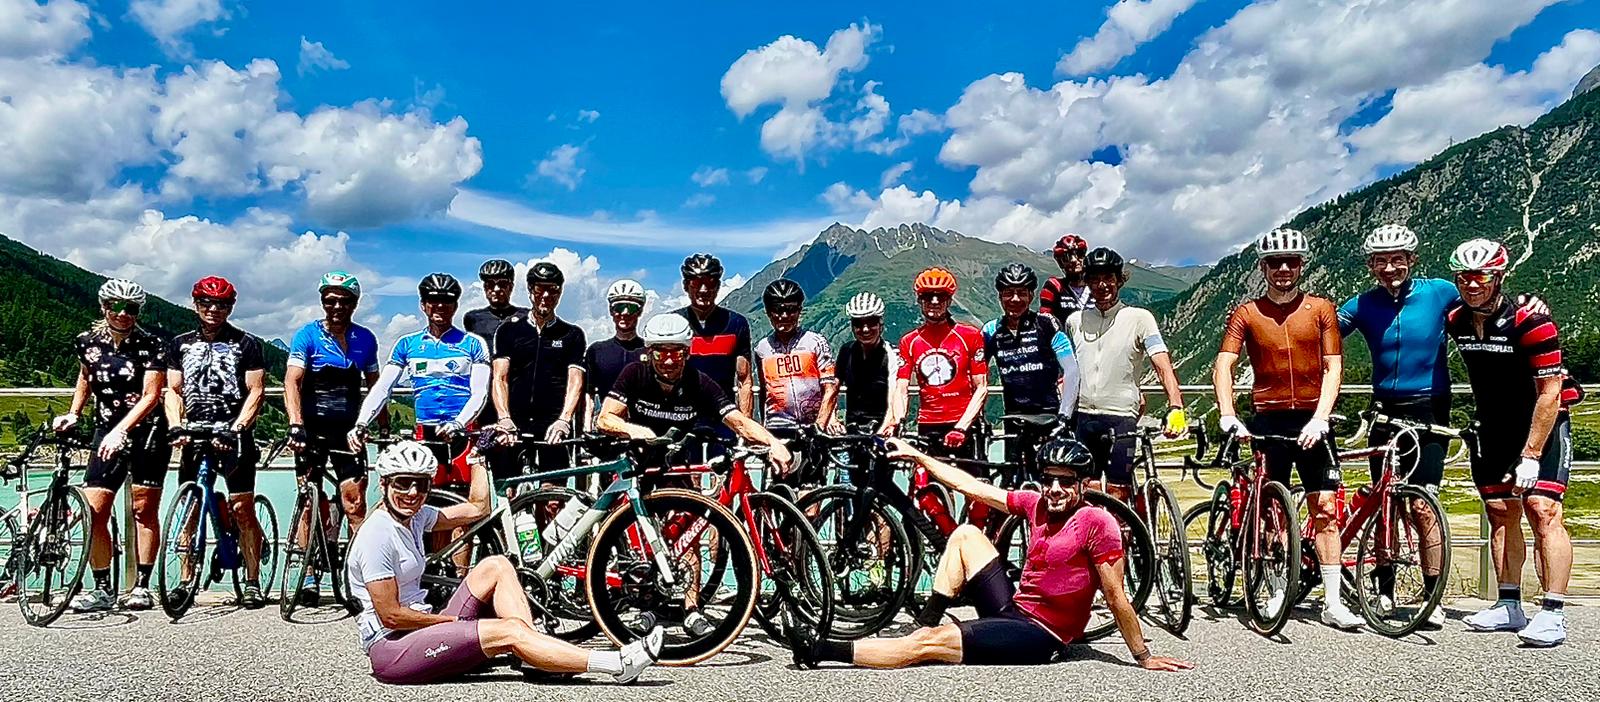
(1128, 24)
(169, 20)
(706, 176)
(28, 28)
(314, 57)
(561, 166)
(67, 129)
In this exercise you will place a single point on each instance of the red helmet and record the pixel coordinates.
(1070, 242)
(935, 280)
(215, 287)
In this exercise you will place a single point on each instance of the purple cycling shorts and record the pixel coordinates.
(434, 652)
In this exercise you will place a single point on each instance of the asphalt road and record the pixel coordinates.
(219, 652)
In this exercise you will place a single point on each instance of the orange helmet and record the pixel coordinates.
(935, 280)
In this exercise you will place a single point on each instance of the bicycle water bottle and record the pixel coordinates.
(1235, 499)
(564, 520)
(1360, 498)
(1338, 506)
(528, 541)
(227, 549)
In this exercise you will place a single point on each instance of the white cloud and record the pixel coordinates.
(755, 175)
(314, 56)
(892, 175)
(1128, 24)
(169, 20)
(706, 176)
(562, 166)
(698, 200)
(66, 129)
(840, 198)
(588, 115)
(28, 28)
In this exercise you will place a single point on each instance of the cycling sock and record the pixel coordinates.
(1384, 574)
(838, 651)
(102, 579)
(253, 583)
(144, 574)
(1511, 594)
(1430, 581)
(1554, 601)
(938, 602)
(1330, 585)
(608, 662)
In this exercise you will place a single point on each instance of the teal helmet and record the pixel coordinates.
(341, 280)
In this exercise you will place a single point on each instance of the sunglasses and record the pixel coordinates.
(784, 311)
(122, 306)
(867, 323)
(438, 300)
(1051, 480)
(411, 484)
(626, 308)
(1479, 277)
(207, 304)
(933, 297)
(338, 301)
(499, 284)
(673, 352)
(1284, 262)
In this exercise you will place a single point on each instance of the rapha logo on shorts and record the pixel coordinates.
(434, 652)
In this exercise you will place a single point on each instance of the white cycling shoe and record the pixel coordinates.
(639, 655)
(93, 601)
(697, 624)
(1546, 629)
(1500, 617)
(1436, 618)
(1339, 616)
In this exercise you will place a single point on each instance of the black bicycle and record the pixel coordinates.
(47, 548)
(314, 557)
(1157, 506)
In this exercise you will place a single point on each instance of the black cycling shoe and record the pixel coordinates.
(309, 596)
(253, 598)
(800, 638)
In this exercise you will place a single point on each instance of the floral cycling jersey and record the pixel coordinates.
(116, 371)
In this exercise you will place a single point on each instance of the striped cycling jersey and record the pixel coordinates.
(1516, 349)
(441, 370)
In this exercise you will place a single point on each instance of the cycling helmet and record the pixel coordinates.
(863, 306)
(440, 285)
(1103, 259)
(1070, 242)
(1063, 451)
(1280, 242)
(701, 264)
(625, 290)
(782, 292)
(547, 273)
(215, 287)
(1479, 255)
(495, 269)
(1016, 275)
(1390, 237)
(935, 279)
(668, 329)
(406, 458)
(340, 280)
(124, 290)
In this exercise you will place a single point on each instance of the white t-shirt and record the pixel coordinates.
(1111, 347)
(384, 548)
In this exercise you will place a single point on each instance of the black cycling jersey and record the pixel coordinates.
(540, 359)
(605, 359)
(694, 399)
(213, 371)
(1027, 361)
(116, 371)
(485, 320)
(1058, 299)
(718, 344)
(865, 378)
(1516, 348)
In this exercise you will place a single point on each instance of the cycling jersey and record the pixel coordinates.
(718, 344)
(330, 394)
(604, 361)
(213, 371)
(116, 371)
(1059, 581)
(694, 399)
(1111, 346)
(944, 358)
(1517, 348)
(1405, 334)
(484, 321)
(441, 371)
(793, 375)
(540, 359)
(864, 381)
(1286, 344)
(1058, 299)
(1031, 360)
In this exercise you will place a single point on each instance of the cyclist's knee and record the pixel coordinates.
(1501, 510)
(1542, 511)
(966, 532)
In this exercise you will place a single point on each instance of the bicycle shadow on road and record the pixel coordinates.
(95, 622)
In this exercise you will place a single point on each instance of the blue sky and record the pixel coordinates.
(1134, 151)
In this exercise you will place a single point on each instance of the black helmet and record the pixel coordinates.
(440, 285)
(1016, 275)
(495, 269)
(782, 291)
(545, 272)
(701, 264)
(1062, 451)
(1103, 259)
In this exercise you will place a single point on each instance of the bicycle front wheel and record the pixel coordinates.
(795, 566)
(52, 557)
(1139, 564)
(301, 553)
(871, 559)
(1208, 528)
(1271, 560)
(629, 593)
(1403, 547)
(1171, 557)
(183, 552)
(270, 544)
(560, 605)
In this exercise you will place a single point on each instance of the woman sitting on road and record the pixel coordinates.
(488, 615)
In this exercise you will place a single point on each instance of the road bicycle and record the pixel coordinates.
(46, 549)
(314, 556)
(1157, 507)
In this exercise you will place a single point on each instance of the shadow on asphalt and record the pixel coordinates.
(95, 622)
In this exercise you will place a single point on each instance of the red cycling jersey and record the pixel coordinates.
(945, 358)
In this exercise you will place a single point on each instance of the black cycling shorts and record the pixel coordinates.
(1425, 466)
(1498, 449)
(1002, 634)
(237, 468)
(1317, 469)
(329, 449)
(1113, 460)
(145, 458)
(933, 434)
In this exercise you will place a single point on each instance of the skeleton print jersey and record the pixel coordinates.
(213, 371)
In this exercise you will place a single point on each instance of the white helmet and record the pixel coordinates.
(1479, 255)
(667, 329)
(864, 305)
(119, 289)
(1390, 237)
(406, 458)
(1279, 242)
(625, 289)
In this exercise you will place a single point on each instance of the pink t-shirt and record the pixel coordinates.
(1058, 578)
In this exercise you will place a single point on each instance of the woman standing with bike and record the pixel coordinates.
(488, 615)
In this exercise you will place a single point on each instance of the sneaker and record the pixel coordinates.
(310, 593)
(1339, 616)
(96, 600)
(697, 624)
(1279, 595)
(252, 597)
(1547, 629)
(1500, 617)
(639, 655)
(1386, 605)
(139, 598)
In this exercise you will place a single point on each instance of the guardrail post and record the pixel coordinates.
(130, 542)
(1487, 580)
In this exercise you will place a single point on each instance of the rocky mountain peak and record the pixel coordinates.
(1589, 82)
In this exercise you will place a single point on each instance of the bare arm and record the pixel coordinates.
(1116, 596)
(958, 480)
(613, 420)
(901, 400)
(80, 392)
(743, 385)
(1222, 382)
(1332, 376)
(980, 395)
(172, 399)
(751, 430)
(830, 402)
(1545, 410)
(385, 596)
(255, 383)
(1162, 362)
(500, 388)
(569, 404)
(477, 504)
(292, 377)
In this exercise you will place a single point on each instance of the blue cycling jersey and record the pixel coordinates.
(331, 390)
(1406, 336)
(441, 371)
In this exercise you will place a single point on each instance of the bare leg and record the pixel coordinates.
(546, 653)
(968, 551)
(1325, 525)
(940, 644)
(1551, 540)
(99, 527)
(146, 523)
(244, 518)
(494, 580)
(1505, 540)
(1430, 539)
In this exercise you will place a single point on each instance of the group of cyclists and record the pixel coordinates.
(535, 380)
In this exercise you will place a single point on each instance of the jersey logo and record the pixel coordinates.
(936, 368)
(555, 344)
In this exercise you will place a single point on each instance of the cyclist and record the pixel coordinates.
(216, 374)
(1294, 346)
(1076, 551)
(121, 365)
(1112, 341)
(1038, 373)
(538, 371)
(721, 346)
(867, 368)
(1524, 443)
(488, 614)
(499, 282)
(605, 359)
(797, 382)
(1064, 294)
(947, 359)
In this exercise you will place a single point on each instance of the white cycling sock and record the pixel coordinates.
(608, 662)
(1330, 586)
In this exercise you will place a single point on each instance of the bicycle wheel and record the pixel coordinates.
(1171, 556)
(8, 547)
(451, 557)
(626, 588)
(870, 559)
(269, 545)
(1401, 546)
(1271, 560)
(183, 552)
(1139, 564)
(53, 555)
(1207, 525)
(299, 560)
(795, 566)
(562, 597)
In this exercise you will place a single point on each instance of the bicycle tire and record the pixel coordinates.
(8, 548)
(299, 561)
(862, 605)
(797, 567)
(175, 590)
(685, 510)
(268, 548)
(1173, 576)
(1216, 546)
(47, 576)
(341, 578)
(116, 554)
(1276, 514)
(1402, 497)
(563, 596)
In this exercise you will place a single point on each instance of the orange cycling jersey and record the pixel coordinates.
(793, 375)
(944, 358)
(1286, 344)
